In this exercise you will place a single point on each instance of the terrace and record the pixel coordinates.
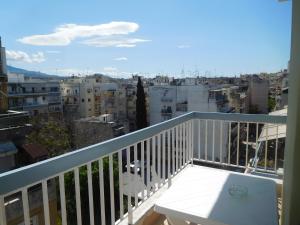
(93, 184)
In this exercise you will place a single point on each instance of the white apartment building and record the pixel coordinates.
(166, 102)
(36, 96)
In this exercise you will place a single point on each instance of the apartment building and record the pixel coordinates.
(238, 98)
(89, 96)
(3, 79)
(91, 130)
(258, 91)
(37, 96)
(168, 102)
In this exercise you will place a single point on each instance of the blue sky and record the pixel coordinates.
(216, 37)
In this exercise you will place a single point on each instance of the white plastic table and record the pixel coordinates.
(200, 195)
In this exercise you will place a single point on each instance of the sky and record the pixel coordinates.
(173, 37)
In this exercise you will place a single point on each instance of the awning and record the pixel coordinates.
(7, 148)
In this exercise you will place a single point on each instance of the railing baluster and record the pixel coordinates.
(45, 202)
(188, 136)
(221, 141)
(135, 188)
(191, 135)
(90, 189)
(101, 184)
(164, 157)
(213, 141)
(159, 159)
(169, 152)
(129, 186)
(25, 206)
(148, 167)
(188, 142)
(192, 140)
(266, 145)
(199, 139)
(2, 211)
(247, 145)
(229, 142)
(111, 187)
(181, 145)
(77, 194)
(276, 149)
(184, 143)
(154, 138)
(205, 139)
(121, 192)
(173, 151)
(143, 166)
(62, 199)
(177, 147)
(238, 145)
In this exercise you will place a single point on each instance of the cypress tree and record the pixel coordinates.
(141, 112)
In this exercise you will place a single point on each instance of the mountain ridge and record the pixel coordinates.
(29, 73)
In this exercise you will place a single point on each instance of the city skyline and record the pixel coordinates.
(118, 39)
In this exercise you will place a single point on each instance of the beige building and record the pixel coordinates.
(89, 96)
(258, 92)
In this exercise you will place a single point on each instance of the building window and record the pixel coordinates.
(89, 99)
(82, 100)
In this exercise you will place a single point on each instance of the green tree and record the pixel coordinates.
(141, 112)
(271, 103)
(52, 135)
(70, 194)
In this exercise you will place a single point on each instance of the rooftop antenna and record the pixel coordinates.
(182, 71)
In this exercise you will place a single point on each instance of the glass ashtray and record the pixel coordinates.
(238, 191)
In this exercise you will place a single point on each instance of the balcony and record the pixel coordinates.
(93, 185)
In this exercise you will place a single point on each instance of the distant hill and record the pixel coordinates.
(28, 73)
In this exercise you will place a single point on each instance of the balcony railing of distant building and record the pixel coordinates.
(34, 104)
(166, 99)
(27, 94)
(13, 119)
(154, 155)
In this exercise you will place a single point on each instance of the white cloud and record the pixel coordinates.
(183, 46)
(65, 34)
(20, 56)
(119, 43)
(53, 51)
(121, 59)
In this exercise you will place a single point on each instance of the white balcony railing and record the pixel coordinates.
(93, 185)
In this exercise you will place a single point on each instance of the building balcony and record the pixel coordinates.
(29, 105)
(26, 94)
(166, 99)
(94, 186)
